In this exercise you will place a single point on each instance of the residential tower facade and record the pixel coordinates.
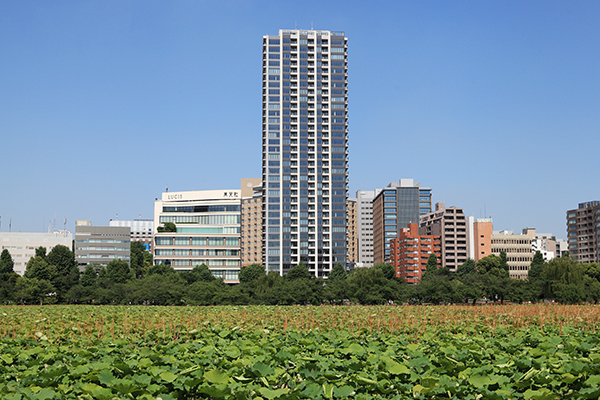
(305, 149)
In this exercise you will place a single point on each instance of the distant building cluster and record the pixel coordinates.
(299, 210)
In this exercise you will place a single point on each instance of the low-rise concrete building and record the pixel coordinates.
(99, 245)
(22, 245)
(518, 249)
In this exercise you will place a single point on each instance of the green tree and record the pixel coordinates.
(38, 268)
(167, 227)
(65, 272)
(338, 272)
(117, 271)
(536, 267)
(6, 264)
(466, 268)
(299, 271)
(504, 261)
(89, 276)
(40, 251)
(370, 286)
(488, 263)
(561, 275)
(34, 291)
(160, 269)
(251, 273)
(336, 290)
(136, 260)
(388, 270)
(432, 263)
(201, 273)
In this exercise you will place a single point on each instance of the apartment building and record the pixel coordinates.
(450, 224)
(364, 211)
(583, 232)
(304, 149)
(251, 246)
(352, 232)
(410, 252)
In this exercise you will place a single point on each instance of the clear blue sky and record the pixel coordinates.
(495, 105)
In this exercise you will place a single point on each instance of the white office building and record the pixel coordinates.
(208, 228)
(22, 245)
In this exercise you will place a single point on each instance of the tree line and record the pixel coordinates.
(54, 278)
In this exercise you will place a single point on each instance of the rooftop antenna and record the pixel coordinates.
(296, 24)
(65, 224)
(167, 189)
(9, 225)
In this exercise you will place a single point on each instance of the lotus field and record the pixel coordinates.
(328, 352)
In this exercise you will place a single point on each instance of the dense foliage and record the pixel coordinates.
(496, 352)
(55, 278)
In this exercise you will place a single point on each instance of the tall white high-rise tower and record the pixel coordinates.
(305, 150)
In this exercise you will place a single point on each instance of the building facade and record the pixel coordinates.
(364, 206)
(305, 150)
(251, 222)
(410, 252)
(450, 225)
(480, 237)
(517, 248)
(99, 245)
(352, 232)
(141, 230)
(546, 244)
(583, 232)
(208, 227)
(397, 205)
(22, 245)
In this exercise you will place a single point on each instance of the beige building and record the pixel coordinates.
(251, 221)
(352, 231)
(450, 225)
(518, 249)
(480, 237)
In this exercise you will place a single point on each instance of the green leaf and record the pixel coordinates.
(479, 381)
(262, 369)
(398, 369)
(272, 394)
(216, 376)
(542, 394)
(44, 394)
(356, 348)
(593, 380)
(344, 391)
(168, 376)
(328, 390)
(106, 377)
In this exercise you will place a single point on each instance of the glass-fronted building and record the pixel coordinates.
(395, 206)
(208, 226)
(305, 150)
